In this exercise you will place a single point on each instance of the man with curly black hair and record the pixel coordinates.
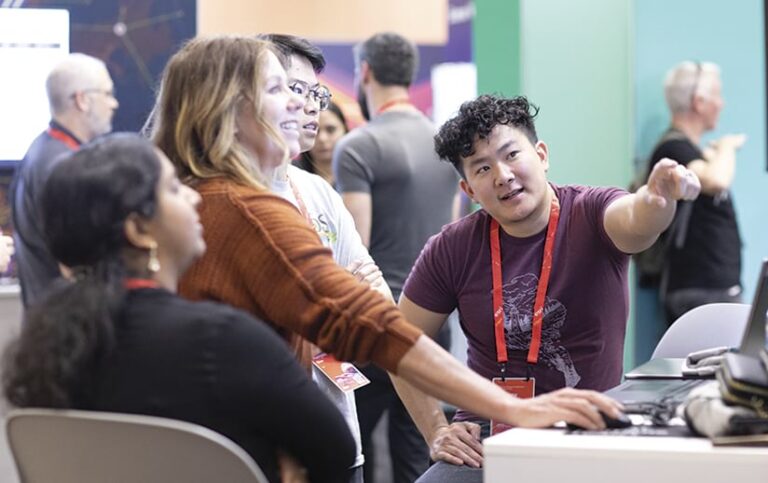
(538, 275)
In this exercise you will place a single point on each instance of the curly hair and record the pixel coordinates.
(476, 119)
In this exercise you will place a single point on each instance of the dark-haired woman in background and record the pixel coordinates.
(333, 126)
(117, 337)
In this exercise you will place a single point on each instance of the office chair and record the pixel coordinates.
(68, 446)
(711, 325)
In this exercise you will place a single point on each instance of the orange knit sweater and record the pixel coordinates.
(263, 257)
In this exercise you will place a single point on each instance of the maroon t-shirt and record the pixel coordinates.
(586, 307)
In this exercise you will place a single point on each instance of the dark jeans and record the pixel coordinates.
(442, 472)
(409, 452)
(681, 301)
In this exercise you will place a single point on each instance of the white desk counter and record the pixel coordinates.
(552, 456)
(9, 289)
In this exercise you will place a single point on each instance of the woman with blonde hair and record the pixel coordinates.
(226, 118)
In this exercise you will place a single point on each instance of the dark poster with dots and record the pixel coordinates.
(135, 38)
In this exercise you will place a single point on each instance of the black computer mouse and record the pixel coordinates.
(622, 421)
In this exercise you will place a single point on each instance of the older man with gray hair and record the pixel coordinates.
(704, 263)
(82, 103)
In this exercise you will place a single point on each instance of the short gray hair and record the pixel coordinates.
(686, 76)
(75, 73)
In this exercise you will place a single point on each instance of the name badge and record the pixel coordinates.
(343, 375)
(519, 387)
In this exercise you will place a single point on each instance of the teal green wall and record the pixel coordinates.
(496, 46)
(575, 64)
(731, 35)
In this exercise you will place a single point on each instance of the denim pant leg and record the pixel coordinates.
(442, 472)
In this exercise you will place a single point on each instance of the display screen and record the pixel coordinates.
(32, 41)
(754, 340)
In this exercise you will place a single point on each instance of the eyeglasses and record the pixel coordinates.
(319, 94)
(104, 92)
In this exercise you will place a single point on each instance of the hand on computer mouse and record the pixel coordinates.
(571, 405)
(622, 421)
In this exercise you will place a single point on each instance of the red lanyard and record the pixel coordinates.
(300, 201)
(65, 138)
(390, 104)
(541, 289)
(137, 283)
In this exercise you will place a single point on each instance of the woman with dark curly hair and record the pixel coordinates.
(117, 338)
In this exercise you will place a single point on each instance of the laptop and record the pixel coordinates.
(660, 368)
(754, 341)
(642, 394)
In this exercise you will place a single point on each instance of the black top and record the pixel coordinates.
(711, 254)
(304, 161)
(37, 268)
(218, 367)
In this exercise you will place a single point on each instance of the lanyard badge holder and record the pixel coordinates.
(343, 375)
(521, 387)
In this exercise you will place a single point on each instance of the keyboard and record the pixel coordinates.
(641, 430)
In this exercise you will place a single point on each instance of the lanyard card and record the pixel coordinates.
(519, 387)
(343, 374)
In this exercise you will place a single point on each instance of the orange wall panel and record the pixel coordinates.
(332, 21)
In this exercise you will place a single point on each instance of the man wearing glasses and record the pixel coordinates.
(320, 204)
(703, 264)
(82, 103)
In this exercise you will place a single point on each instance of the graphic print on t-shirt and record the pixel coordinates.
(519, 295)
(325, 230)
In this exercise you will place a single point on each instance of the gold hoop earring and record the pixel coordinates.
(153, 265)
